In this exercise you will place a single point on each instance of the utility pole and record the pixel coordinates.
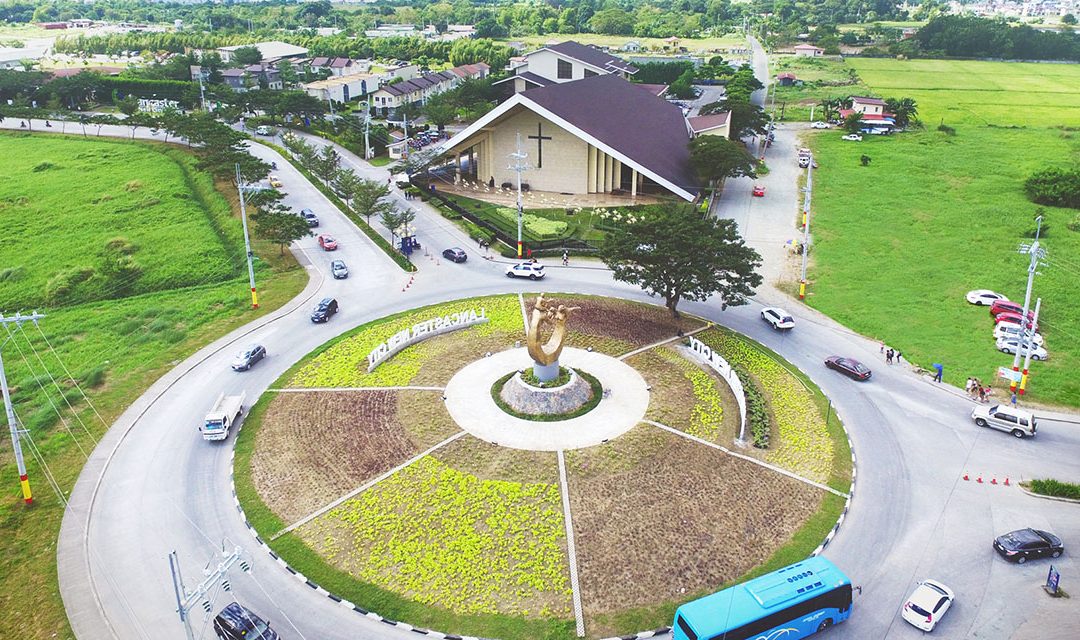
(186, 600)
(1035, 253)
(519, 165)
(367, 128)
(1028, 344)
(806, 225)
(12, 424)
(247, 239)
(202, 89)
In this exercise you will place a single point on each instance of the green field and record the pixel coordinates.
(116, 335)
(899, 243)
(983, 93)
(822, 78)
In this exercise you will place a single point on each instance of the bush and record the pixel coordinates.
(1055, 187)
(1056, 488)
(946, 129)
(757, 410)
(536, 226)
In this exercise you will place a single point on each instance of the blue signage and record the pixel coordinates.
(1052, 580)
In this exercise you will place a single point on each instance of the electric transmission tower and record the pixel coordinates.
(24, 481)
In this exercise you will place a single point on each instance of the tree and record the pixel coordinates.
(439, 112)
(300, 104)
(853, 122)
(326, 164)
(613, 22)
(346, 182)
(245, 56)
(714, 158)
(683, 87)
(1068, 18)
(289, 77)
(278, 224)
(676, 253)
(369, 198)
(128, 105)
(746, 119)
(904, 109)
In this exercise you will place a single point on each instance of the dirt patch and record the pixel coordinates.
(685, 520)
(314, 447)
(621, 321)
(491, 462)
(443, 356)
(424, 416)
(672, 397)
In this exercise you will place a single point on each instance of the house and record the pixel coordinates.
(717, 124)
(458, 31)
(599, 134)
(74, 71)
(392, 31)
(251, 77)
(272, 50)
(808, 51)
(785, 79)
(339, 66)
(868, 106)
(563, 62)
(390, 97)
(873, 113)
(342, 88)
(908, 32)
(53, 25)
(631, 46)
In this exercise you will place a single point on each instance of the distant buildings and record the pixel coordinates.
(808, 51)
(271, 51)
(390, 97)
(429, 32)
(562, 62)
(343, 88)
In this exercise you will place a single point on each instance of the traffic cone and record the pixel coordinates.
(993, 480)
(1006, 481)
(979, 479)
(966, 477)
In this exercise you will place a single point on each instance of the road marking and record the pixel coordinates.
(571, 551)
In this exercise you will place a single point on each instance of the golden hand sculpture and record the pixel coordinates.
(547, 353)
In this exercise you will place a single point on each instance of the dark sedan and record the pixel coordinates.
(1024, 544)
(849, 367)
(324, 310)
(455, 254)
(248, 357)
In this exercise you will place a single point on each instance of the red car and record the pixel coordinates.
(759, 191)
(1013, 318)
(327, 243)
(1005, 306)
(850, 367)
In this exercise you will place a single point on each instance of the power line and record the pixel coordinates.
(71, 377)
(24, 482)
(56, 384)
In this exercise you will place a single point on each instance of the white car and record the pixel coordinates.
(819, 125)
(530, 270)
(1012, 345)
(854, 137)
(927, 604)
(1009, 330)
(264, 130)
(777, 317)
(984, 297)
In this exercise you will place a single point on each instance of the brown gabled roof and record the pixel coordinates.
(701, 124)
(655, 89)
(646, 129)
(864, 100)
(592, 56)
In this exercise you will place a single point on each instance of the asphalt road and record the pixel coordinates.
(153, 485)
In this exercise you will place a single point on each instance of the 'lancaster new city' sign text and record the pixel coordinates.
(423, 330)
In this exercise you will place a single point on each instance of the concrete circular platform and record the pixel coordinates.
(468, 399)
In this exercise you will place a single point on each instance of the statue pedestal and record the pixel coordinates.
(546, 373)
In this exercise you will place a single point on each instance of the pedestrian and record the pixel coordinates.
(988, 391)
(899, 356)
(969, 386)
(388, 182)
(939, 371)
(889, 355)
(980, 390)
(881, 346)
(565, 258)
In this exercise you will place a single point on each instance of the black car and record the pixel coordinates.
(849, 367)
(248, 357)
(310, 217)
(1023, 544)
(338, 268)
(455, 254)
(237, 622)
(326, 308)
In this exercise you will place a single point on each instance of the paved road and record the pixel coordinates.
(153, 486)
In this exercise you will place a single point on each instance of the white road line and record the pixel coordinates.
(663, 342)
(314, 389)
(571, 551)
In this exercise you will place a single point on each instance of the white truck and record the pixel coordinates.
(221, 417)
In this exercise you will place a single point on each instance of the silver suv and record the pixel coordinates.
(1018, 422)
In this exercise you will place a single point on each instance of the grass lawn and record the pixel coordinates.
(114, 347)
(899, 242)
(823, 78)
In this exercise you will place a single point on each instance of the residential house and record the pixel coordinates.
(808, 51)
(717, 124)
(339, 66)
(343, 88)
(564, 62)
(390, 97)
(252, 77)
(785, 79)
(873, 113)
(392, 31)
(632, 46)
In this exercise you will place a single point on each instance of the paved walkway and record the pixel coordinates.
(468, 399)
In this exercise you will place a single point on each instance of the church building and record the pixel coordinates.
(595, 135)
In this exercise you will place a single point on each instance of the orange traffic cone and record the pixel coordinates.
(966, 477)
(979, 479)
(993, 480)
(1006, 481)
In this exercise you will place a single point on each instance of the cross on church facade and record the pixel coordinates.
(539, 137)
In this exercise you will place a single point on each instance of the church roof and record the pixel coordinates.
(593, 56)
(640, 129)
(529, 77)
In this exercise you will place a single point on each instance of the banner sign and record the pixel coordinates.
(423, 330)
(1052, 580)
(721, 366)
(1006, 373)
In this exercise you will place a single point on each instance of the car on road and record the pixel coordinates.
(777, 317)
(248, 357)
(264, 130)
(275, 182)
(853, 137)
(1008, 330)
(327, 242)
(1026, 544)
(1008, 317)
(310, 217)
(530, 270)
(323, 311)
(339, 270)
(804, 162)
(237, 622)
(1001, 306)
(1003, 417)
(819, 125)
(1014, 344)
(759, 191)
(983, 297)
(850, 367)
(927, 604)
(455, 254)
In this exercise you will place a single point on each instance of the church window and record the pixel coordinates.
(589, 74)
(566, 70)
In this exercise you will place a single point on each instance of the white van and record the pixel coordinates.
(1018, 422)
(1008, 330)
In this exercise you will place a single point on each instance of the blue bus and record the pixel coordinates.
(794, 602)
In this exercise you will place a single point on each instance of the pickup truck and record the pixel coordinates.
(219, 420)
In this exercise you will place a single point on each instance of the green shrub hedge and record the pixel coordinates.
(757, 410)
(1056, 488)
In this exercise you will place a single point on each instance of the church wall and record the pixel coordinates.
(545, 64)
(565, 162)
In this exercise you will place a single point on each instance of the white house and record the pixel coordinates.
(343, 88)
(808, 51)
(563, 62)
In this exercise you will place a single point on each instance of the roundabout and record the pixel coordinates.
(428, 503)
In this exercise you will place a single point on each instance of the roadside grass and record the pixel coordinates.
(974, 92)
(116, 348)
(380, 161)
(822, 78)
(899, 242)
(1054, 488)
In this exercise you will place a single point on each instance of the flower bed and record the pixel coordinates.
(447, 538)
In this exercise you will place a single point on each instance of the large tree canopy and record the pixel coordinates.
(715, 158)
(676, 253)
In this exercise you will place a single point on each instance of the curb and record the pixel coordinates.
(851, 491)
(1043, 497)
(642, 634)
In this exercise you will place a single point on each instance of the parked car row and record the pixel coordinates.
(1013, 331)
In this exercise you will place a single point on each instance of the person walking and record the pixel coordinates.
(980, 391)
(939, 371)
(881, 346)
(565, 258)
(888, 356)
(899, 356)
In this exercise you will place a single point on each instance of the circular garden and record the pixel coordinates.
(363, 481)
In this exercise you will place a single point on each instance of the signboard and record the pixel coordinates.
(1052, 580)
(423, 330)
(721, 366)
(1006, 373)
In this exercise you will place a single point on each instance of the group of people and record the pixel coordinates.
(891, 354)
(977, 390)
